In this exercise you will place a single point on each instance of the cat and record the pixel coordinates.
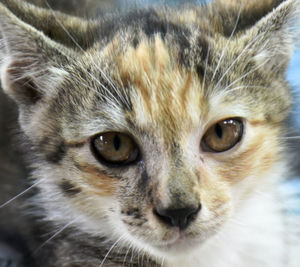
(155, 136)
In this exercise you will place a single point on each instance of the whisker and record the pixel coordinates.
(205, 68)
(21, 194)
(292, 132)
(104, 87)
(112, 97)
(148, 260)
(94, 63)
(55, 235)
(132, 254)
(138, 258)
(227, 43)
(129, 248)
(97, 92)
(245, 87)
(237, 58)
(291, 137)
(144, 252)
(244, 75)
(32, 74)
(110, 250)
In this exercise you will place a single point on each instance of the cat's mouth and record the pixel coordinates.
(175, 240)
(171, 239)
(180, 243)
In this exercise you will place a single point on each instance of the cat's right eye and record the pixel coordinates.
(115, 148)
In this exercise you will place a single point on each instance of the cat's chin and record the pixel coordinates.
(181, 245)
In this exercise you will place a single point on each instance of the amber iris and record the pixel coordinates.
(115, 148)
(223, 135)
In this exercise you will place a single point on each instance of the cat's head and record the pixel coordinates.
(155, 127)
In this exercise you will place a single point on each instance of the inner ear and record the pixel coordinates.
(20, 84)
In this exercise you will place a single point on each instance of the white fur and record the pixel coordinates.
(253, 237)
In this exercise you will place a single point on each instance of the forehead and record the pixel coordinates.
(174, 88)
(165, 94)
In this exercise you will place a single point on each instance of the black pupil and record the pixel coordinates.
(117, 142)
(219, 131)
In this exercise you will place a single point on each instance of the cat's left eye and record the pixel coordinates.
(223, 135)
(115, 148)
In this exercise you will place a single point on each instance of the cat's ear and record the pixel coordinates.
(29, 61)
(272, 39)
(71, 31)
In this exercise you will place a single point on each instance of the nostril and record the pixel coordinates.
(162, 217)
(177, 217)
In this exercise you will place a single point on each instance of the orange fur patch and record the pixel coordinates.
(101, 183)
(259, 157)
(214, 194)
(171, 96)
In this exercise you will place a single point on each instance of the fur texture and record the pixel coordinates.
(163, 77)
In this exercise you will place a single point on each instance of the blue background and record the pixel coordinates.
(294, 78)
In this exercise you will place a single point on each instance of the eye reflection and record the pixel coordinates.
(223, 135)
(115, 148)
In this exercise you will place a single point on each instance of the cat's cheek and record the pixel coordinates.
(101, 184)
(253, 161)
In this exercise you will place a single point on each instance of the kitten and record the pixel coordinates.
(155, 137)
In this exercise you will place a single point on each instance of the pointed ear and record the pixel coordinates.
(272, 39)
(29, 61)
(236, 16)
(65, 29)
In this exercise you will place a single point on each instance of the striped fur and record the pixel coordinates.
(164, 77)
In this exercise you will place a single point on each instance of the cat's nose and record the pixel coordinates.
(178, 217)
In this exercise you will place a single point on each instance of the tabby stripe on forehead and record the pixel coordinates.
(55, 153)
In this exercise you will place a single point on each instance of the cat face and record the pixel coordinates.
(154, 140)
(155, 162)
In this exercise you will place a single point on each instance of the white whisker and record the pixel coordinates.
(138, 258)
(205, 68)
(21, 194)
(55, 235)
(144, 252)
(110, 250)
(148, 260)
(112, 103)
(132, 254)
(129, 248)
(227, 43)
(244, 75)
(237, 58)
(245, 87)
(292, 137)
(125, 101)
